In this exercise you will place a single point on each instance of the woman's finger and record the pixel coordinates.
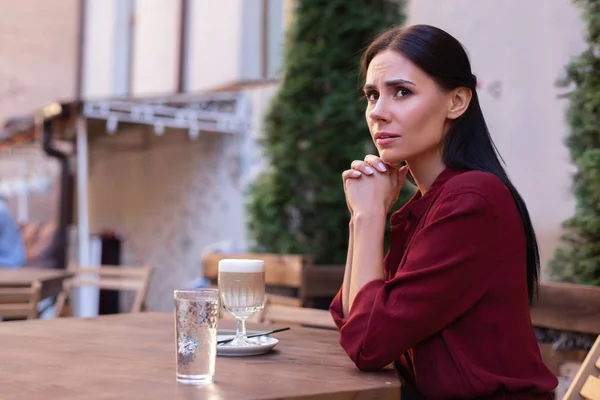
(363, 167)
(375, 162)
(403, 170)
(351, 174)
(399, 175)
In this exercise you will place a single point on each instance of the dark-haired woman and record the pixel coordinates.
(449, 303)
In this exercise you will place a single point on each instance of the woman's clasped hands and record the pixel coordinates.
(372, 186)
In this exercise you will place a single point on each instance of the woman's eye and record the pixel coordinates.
(402, 92)
(372, 96)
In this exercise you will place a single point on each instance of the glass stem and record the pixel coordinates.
(241, 328)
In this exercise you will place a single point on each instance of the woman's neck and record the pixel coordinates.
(425, 170)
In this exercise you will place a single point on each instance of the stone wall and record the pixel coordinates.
(170, 197)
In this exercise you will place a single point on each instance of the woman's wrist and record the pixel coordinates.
(369, 227)
(359, 217)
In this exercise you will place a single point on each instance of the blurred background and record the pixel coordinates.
(168, 195)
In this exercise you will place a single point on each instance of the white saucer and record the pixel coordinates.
(264, 345)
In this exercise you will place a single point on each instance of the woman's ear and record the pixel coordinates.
(460, 98)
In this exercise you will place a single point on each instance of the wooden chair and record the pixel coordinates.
(291, 278)
(586, 384)
(20, 302)
(129, 279)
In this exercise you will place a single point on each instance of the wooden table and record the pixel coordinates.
(132, 356)
(51, 279)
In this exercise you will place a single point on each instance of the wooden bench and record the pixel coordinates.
(309, 317)
(566, 307)
(291, 279)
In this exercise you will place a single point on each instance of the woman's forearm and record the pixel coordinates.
(367, 251)
(348, 271)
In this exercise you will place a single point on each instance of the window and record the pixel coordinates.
(124, 21)
(273, 37)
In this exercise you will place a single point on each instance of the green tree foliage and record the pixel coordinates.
(315, 127)
(578, 260)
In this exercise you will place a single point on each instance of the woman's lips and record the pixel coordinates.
(382, 141)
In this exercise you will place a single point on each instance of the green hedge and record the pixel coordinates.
(315, 127)
(578, 259)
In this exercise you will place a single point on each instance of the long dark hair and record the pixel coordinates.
(468, 145)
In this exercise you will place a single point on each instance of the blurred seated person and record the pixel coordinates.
(12, 248)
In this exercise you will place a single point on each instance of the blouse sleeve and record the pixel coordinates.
(447, 270)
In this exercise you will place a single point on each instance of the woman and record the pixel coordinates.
(449, 304)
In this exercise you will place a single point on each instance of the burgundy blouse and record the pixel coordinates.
(452, 313)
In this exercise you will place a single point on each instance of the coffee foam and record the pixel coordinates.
(231, 265)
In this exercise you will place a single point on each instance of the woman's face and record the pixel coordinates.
(407, 110)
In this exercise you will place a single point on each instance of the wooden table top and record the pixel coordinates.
(132, 356)
(51, 279)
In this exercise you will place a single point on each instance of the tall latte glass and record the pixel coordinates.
(242, 288)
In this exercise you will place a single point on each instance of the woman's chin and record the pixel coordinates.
(391, 159)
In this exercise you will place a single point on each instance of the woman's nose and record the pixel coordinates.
(380, 111)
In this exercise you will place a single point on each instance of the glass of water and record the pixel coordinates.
(196, 322)
(242, 287)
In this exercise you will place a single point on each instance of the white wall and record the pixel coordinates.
(38, 54)
(156, 47)
(215, 38)
(518, 50)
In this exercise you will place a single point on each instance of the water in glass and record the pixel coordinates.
(196, 321)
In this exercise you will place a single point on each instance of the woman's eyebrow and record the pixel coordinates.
(392, 83)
